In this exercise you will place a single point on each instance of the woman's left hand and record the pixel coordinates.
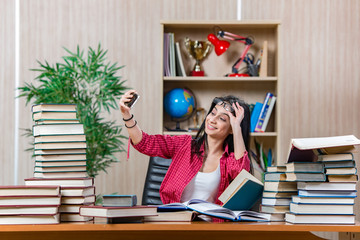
(236, 120)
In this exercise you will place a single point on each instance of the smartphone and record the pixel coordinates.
(133, 100)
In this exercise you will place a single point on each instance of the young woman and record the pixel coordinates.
(202, 167)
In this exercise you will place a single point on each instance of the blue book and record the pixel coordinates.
(269, 157)
(255, 116)
(243, 192)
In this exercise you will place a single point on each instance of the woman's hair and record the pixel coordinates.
(201, 136)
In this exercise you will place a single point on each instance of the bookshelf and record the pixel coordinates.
(214, 83)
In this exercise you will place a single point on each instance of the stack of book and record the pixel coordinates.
(327, 197)
(58, 134)
(75, 192)
(277, 193)
(305, 171)
(339, 167)
(29, 204)
(60, 157)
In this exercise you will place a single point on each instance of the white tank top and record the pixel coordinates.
(203, 186)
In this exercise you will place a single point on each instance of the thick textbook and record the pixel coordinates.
(54, 116)
(74, 217)
(63, 182)
(329, 193)
(308, 149)
(175, 216)
(59, 145)
(342, 178)
(30, 219)
(56, 107)
(243, 192)
(78, 199)
(58, 129)
(116, 212)
(305, 167)
(276, 201)
(117, 200)
(303, 176)
(319, 219)
(60, 157)
(60, 174)
(274, 176)
(280, 186)
(77, 191)
(80, 151)
(313, 208)
(323, 200)
(337, 157)
(66, 168)
(30, 200)
(214, 210)
(21, 190)
(60, 138)
(327, 186)
(60, 163)
(28, 210)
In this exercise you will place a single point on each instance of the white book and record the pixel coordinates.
(304, 208)
(329, 186)
(172, 55)
(308, 149)
(30, 200)
(57, 129)
(268, 113)
(30, 219)
(63, 182)
(319, 219)
(323, 200)
(179, 61)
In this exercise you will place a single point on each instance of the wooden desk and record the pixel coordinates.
(170, 231)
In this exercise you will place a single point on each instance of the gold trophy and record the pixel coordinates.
(198, 50)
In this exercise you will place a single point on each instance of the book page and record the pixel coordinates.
(325, 142)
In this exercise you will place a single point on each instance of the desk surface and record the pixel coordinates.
(183, 226)
(170, 230)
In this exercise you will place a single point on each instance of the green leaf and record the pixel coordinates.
(94, 85)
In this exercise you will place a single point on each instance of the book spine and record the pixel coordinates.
(264, 109)
(172, 55)
(180, 62)
(268, 113)
(255, 116)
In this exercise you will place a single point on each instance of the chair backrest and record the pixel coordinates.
(155, 174)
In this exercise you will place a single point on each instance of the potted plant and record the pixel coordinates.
(92, 84)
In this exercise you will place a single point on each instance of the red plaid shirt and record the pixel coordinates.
(185, 164)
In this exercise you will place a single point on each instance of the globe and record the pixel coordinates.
(179, 103)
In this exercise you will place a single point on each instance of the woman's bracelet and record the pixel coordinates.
(125, 120)
(132, 125)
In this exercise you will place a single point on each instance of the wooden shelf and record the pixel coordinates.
(220, 79)
(214, 83)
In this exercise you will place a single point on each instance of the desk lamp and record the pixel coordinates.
(222, 45)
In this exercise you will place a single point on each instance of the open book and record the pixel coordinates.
(243, 192)
(214, 210)
(308, 149)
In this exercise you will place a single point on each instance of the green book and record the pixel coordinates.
(243, 192)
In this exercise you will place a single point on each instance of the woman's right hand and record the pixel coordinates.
(125, 110)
